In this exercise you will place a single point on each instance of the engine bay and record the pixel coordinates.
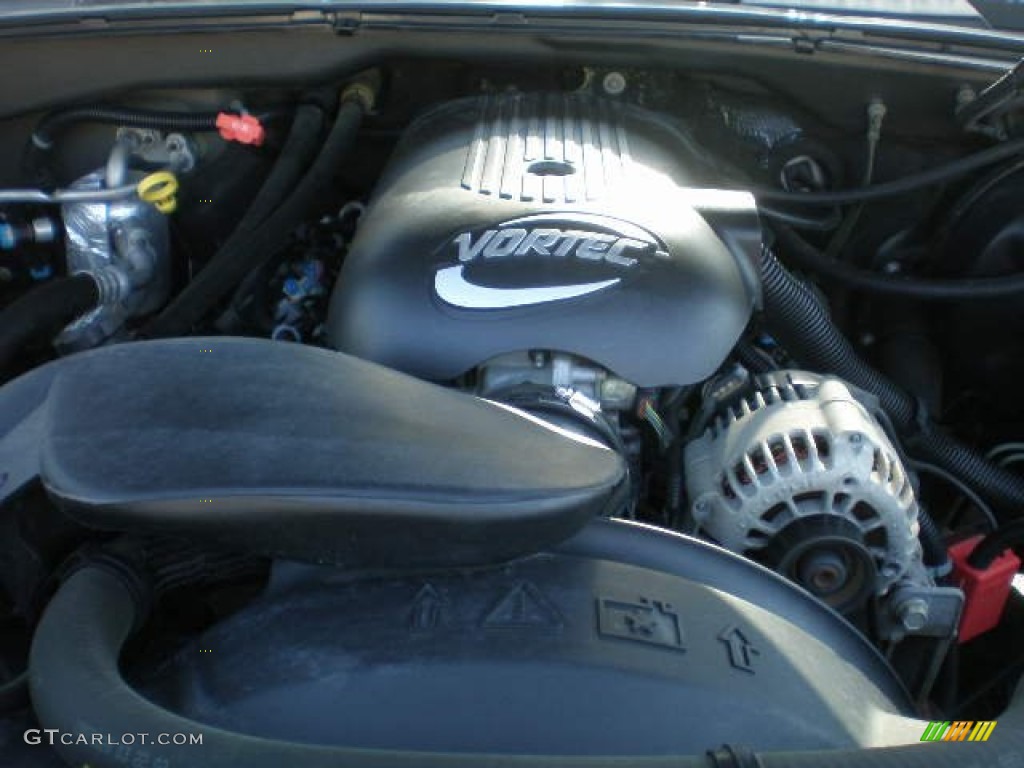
(452, 395)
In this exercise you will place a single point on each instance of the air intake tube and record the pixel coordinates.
(42, 313)
(801, 323)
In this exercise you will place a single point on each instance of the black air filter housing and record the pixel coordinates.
(548, 221)
(623, 641)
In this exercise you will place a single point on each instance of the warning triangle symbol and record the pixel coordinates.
(523, 606)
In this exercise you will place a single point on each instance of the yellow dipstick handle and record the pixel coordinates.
(159, 189)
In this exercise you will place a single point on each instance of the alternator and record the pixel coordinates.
(797, 473)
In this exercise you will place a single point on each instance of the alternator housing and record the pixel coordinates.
(797, 473)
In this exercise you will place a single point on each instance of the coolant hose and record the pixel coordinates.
(255, 240)
(43, 312)
(297, 153)
(77, 687)
(801, 323)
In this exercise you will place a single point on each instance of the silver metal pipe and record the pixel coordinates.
(103, 195)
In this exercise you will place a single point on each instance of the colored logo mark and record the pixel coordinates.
(959, 730)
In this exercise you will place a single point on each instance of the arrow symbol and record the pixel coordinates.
(741, 650)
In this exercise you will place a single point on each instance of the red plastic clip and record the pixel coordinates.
(985, 591)
(245, 129)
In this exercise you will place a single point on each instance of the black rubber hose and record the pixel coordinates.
(924, 289)
(254, 241)
(43, 312)
(1002, 488)
(752, 358)
(75, 680)
(673, 407)
(801, 323)
(14, 694)
(933, 546)
(1001, 95)
(906, 185)
(295, 157)
(818, 224)
(46, 131)
(1010, 536)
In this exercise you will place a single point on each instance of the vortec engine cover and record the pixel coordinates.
(544, 221)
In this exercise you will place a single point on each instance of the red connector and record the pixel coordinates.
(985, 591)
(245, 129)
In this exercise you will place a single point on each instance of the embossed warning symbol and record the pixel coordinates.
(427, 609)
(653, 622)
(523, 606)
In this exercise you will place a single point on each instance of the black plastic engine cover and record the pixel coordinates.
(625, 641)
(548, 221)
(298, 452)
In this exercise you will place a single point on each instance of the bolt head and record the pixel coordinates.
(614, 83)
(803, 173)
(914, 614)
(965, 95)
